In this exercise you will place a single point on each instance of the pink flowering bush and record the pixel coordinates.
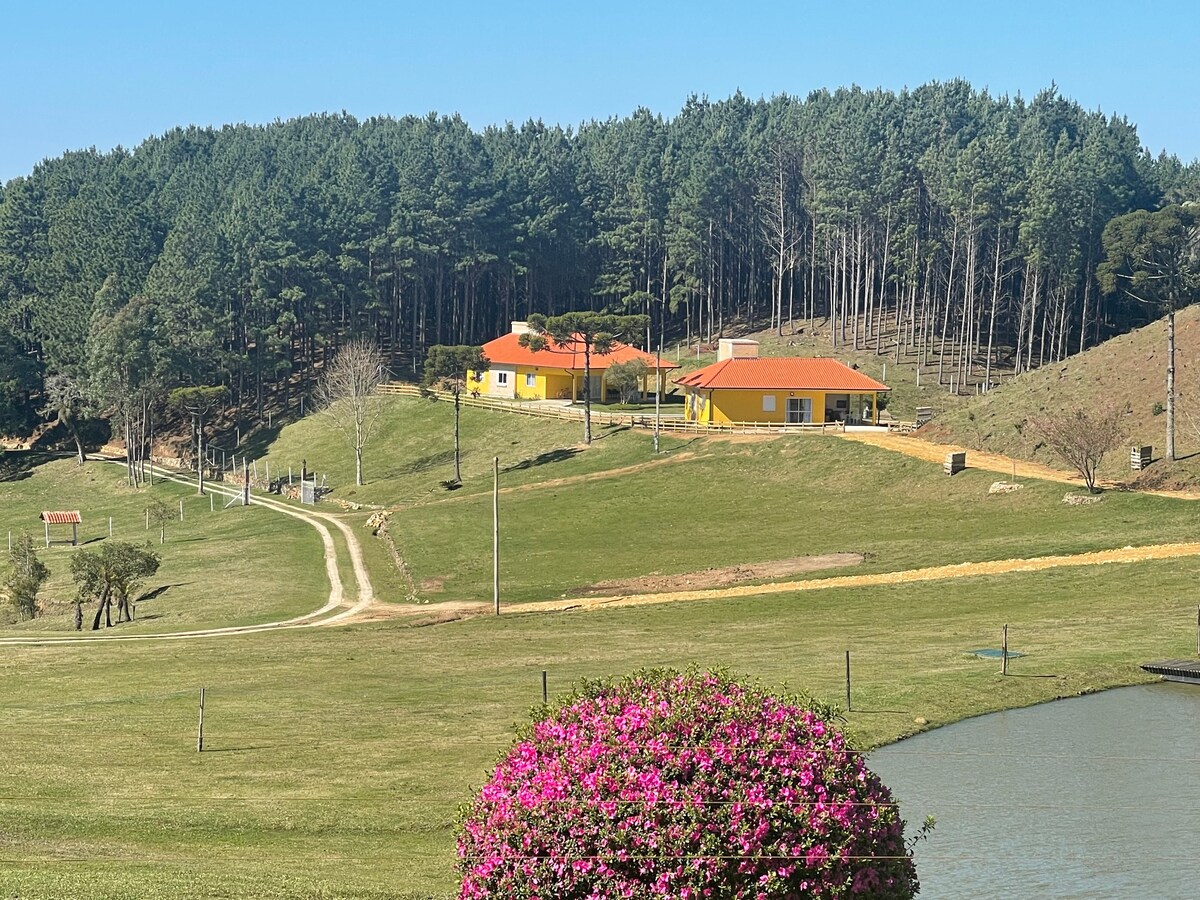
(682, 786)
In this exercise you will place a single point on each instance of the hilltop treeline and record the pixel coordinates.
(940, 222)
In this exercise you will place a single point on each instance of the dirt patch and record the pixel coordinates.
(432, 585)
(910, 576)
(718, 577)
(418, 615)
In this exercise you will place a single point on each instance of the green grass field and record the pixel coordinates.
(339, 756)
(218, 568)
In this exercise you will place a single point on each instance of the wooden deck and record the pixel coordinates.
(1186, 671)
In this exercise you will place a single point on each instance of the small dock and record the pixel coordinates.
(1186, 671)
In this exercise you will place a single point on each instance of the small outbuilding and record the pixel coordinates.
(71, 518)
(743, 387)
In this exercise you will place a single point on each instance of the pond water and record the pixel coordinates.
(1092, 797)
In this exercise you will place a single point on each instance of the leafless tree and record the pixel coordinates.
(1082, 438)
(347, 394)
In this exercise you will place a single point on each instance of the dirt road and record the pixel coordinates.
(976, 459)
(335, 611)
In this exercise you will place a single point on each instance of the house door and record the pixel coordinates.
(799, 409)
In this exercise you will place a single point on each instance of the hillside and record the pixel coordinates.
(1128, 370)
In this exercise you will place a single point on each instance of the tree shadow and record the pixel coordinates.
(608, 431)
(256, 443)
(561, 454)
(157, 592)
(1030, 675)
(17, 465)
(425, 463)
(682, 446)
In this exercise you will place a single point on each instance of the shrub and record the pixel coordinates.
(685, 786)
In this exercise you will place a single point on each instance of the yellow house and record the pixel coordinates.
(741, 386)
(555, 373)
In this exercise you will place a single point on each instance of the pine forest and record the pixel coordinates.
(939, 225)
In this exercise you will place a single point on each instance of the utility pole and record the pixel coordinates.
(496, 533)
(658, 383)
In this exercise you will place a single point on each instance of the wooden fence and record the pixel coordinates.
(603, 417)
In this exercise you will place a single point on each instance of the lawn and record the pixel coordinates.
(221, 567)
(340, 756)
(412, 453)
(336, 758)
(722, 503)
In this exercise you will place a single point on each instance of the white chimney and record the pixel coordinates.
(736, 348)
(521, 328)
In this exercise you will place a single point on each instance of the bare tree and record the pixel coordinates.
(347, 394)
(1081, 438)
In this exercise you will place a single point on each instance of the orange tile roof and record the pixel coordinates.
(61, 518)
(507, 351)
(781, 374)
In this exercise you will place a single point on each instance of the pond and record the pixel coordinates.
(1092, 797)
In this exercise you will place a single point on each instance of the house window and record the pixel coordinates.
(530, 380)
(502, 379)
(768, 403)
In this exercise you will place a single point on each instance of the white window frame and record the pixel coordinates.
(530, 380)
(768, 403)
(501, 379)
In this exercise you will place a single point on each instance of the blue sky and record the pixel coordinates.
(75, 74)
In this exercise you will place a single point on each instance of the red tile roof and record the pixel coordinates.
(781, 374)
(62, 518)
(507, 351)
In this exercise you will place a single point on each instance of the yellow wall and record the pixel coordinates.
(722, 407)
(547, 383)
(747, 406)
(553, 384)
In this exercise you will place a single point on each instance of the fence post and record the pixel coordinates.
(847, 681)
(200, 727)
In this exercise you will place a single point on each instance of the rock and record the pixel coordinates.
(921, 720)
(1081, 499)
(1004, 487)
